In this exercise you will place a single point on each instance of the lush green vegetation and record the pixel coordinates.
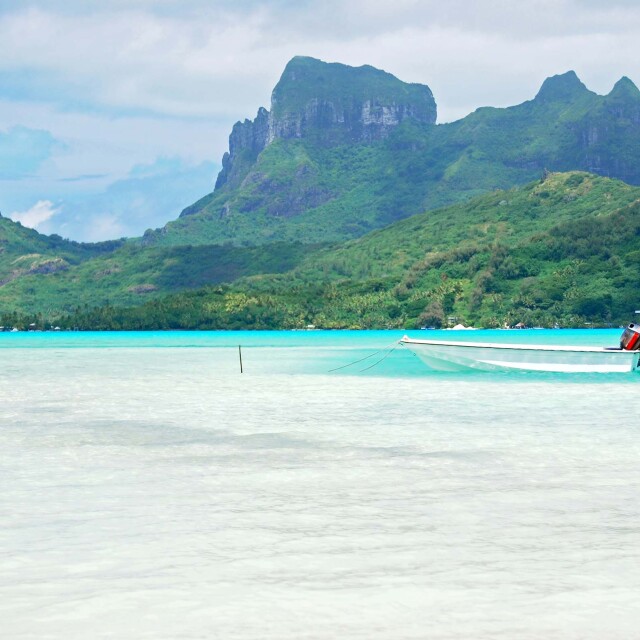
(562, 250)
(18, 243)
(59, 280)
(27, 253)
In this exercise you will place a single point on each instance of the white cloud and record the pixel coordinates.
(41, 212)
(219, 60)
(130, 59)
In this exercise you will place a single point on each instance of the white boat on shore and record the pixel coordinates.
(493, 356)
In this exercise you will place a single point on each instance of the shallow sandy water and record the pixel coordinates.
(156, 493)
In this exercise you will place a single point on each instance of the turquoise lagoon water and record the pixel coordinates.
(151, 491)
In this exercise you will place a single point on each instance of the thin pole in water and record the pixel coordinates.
(240, 354)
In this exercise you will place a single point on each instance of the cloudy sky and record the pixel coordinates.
(114, 114)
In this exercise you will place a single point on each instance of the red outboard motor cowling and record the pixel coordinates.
(630, 338)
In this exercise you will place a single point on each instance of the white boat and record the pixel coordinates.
(492, 356)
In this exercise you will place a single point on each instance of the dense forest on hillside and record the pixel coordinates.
(564, 251)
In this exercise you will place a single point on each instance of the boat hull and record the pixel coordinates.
(456, 356)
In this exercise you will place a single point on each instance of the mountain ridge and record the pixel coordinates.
(295, 189)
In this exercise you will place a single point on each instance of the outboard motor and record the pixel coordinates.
(630, 338)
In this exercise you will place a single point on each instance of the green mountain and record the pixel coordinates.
(25, 252)
(47, 276)
(565, 249)
(343, 151)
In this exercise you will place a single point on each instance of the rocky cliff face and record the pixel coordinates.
(609, 134)
(246, 141)
(329, 103)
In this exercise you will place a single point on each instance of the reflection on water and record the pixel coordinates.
(157, 493)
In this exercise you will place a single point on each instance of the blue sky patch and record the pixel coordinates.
(24, 150)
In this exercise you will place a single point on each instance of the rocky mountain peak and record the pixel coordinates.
(361, 102)
(565, 87)
(331, 104)
(623, 104)
(624, 88)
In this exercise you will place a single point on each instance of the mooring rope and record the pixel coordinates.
(344, 366)
(381, 359)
